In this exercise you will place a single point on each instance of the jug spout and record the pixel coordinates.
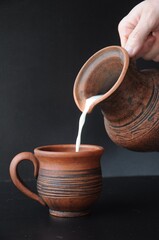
(129, 98)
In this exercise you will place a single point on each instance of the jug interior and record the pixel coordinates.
(104, 76)
(101, 74)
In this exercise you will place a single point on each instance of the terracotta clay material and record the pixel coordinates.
(68, 182)
(130, 97)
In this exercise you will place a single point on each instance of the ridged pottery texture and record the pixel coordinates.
(69, 182)
(130, 100)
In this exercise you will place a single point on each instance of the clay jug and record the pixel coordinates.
(129, 100)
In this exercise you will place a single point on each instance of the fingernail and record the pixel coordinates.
(129, 50)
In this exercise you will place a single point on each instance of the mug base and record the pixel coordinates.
(68, 214)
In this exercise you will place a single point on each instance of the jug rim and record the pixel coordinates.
(86, 65)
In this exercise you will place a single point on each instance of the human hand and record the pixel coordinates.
(139, 31)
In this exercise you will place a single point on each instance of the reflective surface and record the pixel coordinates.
(128, 209)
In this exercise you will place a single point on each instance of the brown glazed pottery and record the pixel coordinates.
(129, 100)
(68, 182)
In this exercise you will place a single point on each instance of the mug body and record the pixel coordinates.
(69, 182)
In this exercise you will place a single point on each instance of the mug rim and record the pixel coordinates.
(63, 149)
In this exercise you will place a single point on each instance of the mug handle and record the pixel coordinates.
(15, 176)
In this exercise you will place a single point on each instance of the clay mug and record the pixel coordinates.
(129, 97)
(68, 182)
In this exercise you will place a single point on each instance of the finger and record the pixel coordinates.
(146, 46)
(140, 33)
(124, 29)
(129, 22)
(153, 52)
(137, 38)
(156, 59)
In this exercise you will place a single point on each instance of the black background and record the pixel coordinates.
(43, 45)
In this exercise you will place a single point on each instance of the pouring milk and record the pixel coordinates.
(89, 102)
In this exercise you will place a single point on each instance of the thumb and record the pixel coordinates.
(137, 38)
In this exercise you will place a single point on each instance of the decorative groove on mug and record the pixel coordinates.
(69, 183)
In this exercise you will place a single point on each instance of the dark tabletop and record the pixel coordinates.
(128, 209)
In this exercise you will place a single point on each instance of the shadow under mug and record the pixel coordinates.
(68, 182)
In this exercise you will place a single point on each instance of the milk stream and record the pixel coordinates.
(89, 102)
